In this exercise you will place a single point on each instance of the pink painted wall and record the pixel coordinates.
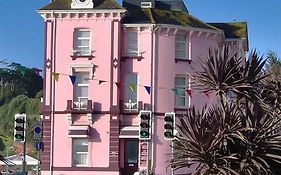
(100, 37)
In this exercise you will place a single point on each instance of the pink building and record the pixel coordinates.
(104, 65)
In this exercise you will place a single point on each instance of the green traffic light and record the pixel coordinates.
(144, 134)
(19, 137)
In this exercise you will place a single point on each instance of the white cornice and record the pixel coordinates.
(177, 27)
(81, 11)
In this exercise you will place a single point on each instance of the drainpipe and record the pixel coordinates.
(53, 54)
(153, 72)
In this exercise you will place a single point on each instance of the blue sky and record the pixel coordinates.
(21, 27)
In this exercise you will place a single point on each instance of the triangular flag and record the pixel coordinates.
(133, 87)
(147, 88)
(73, 79)
(101, 81)
(37, 71)
(189, 92)
(22, 70)
(55, 76)
(175, 90)
(206, 93)
(117, 84)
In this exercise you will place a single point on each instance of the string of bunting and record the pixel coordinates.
(133, 87)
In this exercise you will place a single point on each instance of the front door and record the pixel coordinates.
(131, 156)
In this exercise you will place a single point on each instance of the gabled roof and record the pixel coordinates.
(162, 16)
(234, 30)
(66, 5)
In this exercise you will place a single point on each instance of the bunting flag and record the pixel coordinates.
(133, 87)
(22, 70)
(55, 76)
(175, 90)
(101, 81)
(73, 79)
(189, 92)
(147, 88)
(206, 93)
(37, 71)
(118, 85)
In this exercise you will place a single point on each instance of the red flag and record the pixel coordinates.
(118, 85)
(189, 92)
(37, 71)
(206, 93)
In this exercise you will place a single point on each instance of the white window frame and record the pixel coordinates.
(184, 88)
(80, 153)
(183, 43)
(77, 48)
(127, 100)
(81, 68)
(132, 51)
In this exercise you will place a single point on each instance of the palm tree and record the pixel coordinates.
(239, 134)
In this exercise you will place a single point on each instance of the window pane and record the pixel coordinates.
(81, 33)
(180, 101)
(80, 151)
(131, 151)
(131, 88)
(81, 91)
(132, 43)
(83, 42)
(180, 97)
(181, 92)
(82, 77)
(180, 81)
(180, 37)
(180, 54)
(180, 46)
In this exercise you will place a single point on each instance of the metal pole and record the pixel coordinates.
(24, 151)
(38, 163)
(7, 167)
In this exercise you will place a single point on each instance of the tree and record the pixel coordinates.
(239, 135)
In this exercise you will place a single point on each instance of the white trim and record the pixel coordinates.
(146, 5)
(178, 27)
(130, 128)
(74, 11)
(78, 127)
(128, 137)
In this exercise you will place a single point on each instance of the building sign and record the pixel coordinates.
(143, 154)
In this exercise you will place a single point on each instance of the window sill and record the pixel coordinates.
(74, 57)
(136, 57)
(181, 109)
(183, 60)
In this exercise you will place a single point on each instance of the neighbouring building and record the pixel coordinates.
(105, 64)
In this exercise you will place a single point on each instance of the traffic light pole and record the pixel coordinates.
(24, 155)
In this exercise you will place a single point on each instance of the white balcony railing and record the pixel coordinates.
(81, 103)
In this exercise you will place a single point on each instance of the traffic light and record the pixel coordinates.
(169, 125)
(20, 127)
(144, 125)
(37, 131)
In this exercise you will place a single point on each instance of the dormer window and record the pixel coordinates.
(82, 4)
(146, 5)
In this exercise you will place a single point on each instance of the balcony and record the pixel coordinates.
(79, 106)
(133, 107)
